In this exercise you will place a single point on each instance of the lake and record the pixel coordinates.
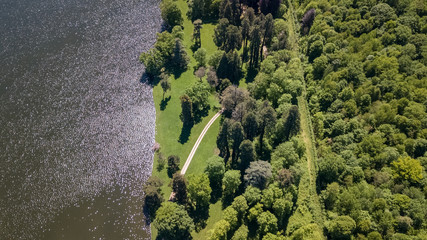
(77, 124)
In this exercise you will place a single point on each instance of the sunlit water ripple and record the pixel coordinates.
(76, 124)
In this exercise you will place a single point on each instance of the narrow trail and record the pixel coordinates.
(199, 140)
(196, 145)
(307, 133)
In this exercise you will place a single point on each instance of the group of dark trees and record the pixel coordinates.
(364, 66)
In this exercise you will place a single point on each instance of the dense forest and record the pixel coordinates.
(327, 137)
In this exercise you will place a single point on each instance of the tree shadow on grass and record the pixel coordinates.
(198, 115)
(250, 76)
(164, 103)
(200, 217)
(216, 193)
(185, 133)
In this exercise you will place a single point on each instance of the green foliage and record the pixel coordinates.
(153, 195)
(171, 13)
(219, 232)
(179, 187)
(173, 165)
(172, 221)
(267, 223)
(241, 233)
(406, 168)
(252, 195)
(165, 84)
(250, 125)
(382, 13)
(200, 56)
(215, 170)
(247, 154)
(258, 174)
(284, 156)
(231, 182)
(199, 94)
(199, 191)
(186, 115)
(341, 227)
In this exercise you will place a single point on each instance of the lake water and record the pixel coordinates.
(76, 123)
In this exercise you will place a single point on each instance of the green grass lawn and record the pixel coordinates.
(169, 125)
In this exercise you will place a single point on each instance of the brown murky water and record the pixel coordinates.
(76, 123)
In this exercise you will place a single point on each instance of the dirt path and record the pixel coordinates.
(199, 140)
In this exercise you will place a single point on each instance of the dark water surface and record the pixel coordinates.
(76, 124)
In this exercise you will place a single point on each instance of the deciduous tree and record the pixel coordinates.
(179, 187)
(172, 222)
(258, 174)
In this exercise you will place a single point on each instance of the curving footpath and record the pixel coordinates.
(199, 140)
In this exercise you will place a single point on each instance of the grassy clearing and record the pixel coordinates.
(168, 124)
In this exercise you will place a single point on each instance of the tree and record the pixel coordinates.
(241, 233)
(232, 96)
(187, 111)
(240, 205)
(179, 58)
(215, 170)
(330, 169)
(247, 154)
(220, 32)
(252, 195)
(250, 125)
(153, 195)
(200, 56)
(199, 94)
(258, 174)
(407, 168)
(267, 223)
(212, 79)
(199, 191)
(374, 236)
(269, 6)
(233, 39)
(254, 47)
(382, 13)
(236, 137)
(229, 67)
(165, 84)
(172, 222)
(268, 28)
(200, 73)
(289, 126)
(341, 227)
(171, 13)
(222, 140)
(198, 9)
(309, 231)
(219, 231)
(179, 187)
(231, 183)
(173, 164)
(230, 215)
(153, 62)
(307, 20)
(245, 31)
(267, 121)
(196, 33)
(230, 9)
(284, 156)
